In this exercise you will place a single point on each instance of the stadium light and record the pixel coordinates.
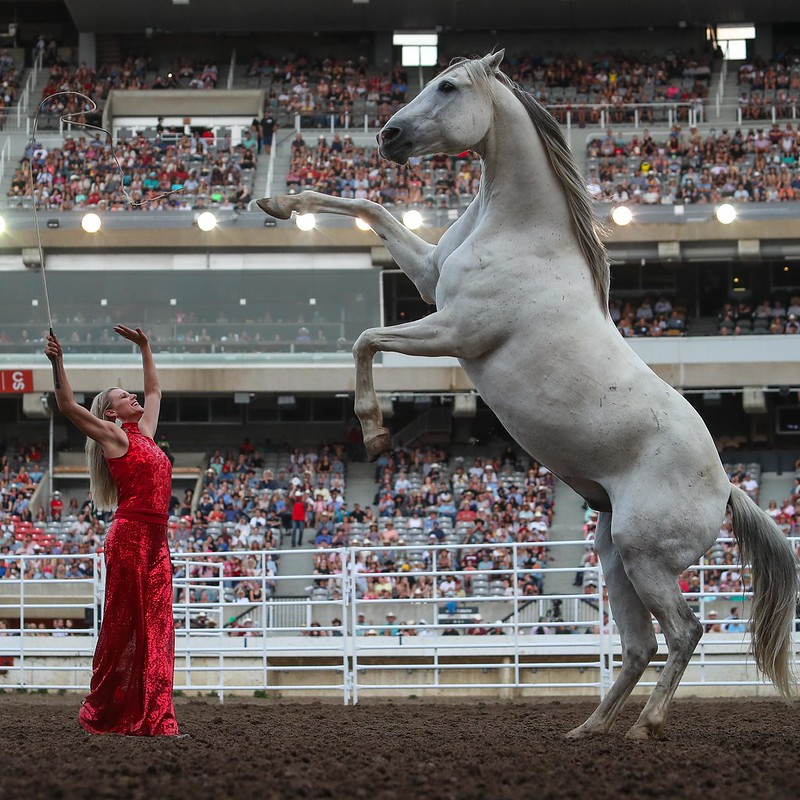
(207, 221)
(726, 213)
(305, 222)
(621, 215)
(362, 226)
(417, 50)
(412, 219)
(732, 39)
(91, 223)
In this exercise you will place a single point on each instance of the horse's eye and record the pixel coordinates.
(446, 86)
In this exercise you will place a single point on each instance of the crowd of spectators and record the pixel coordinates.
(648, 317)
(158, 173)
(242, 515)
(246, 505)
(21, 470)
(774, 317)
(764, 86)
(276, 327)
(338, 167)
(424, 500)
(325, 89)
(134, 73)
(23, 531)
(613, 82)
(754, 165)
(683, 168)
(438, 527)
(9, 85)
(320, 90)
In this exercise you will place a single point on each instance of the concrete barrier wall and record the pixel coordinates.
(298, 667)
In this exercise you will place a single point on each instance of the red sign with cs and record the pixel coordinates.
(16, 381)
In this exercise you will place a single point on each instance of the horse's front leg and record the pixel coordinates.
(412, 253)
(433, 336)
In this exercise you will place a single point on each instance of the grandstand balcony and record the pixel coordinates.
(230, 286)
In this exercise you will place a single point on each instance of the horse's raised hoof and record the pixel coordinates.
(378, 443)
(274, 207)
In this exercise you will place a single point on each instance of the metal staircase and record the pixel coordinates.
(434, 420)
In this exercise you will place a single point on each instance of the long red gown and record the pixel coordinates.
(131, 689)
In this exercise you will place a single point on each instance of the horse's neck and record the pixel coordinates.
(518, 180)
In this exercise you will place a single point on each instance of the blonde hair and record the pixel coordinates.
(101, 484)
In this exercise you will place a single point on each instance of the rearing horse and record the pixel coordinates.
(520, 282)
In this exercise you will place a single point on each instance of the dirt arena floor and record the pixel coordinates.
(265, 749)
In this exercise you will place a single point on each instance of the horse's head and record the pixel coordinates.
(451, 114)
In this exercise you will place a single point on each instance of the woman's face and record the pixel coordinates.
(124, 406)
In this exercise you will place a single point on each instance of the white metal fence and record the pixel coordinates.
(337, 638)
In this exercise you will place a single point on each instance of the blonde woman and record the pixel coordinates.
(131, 689)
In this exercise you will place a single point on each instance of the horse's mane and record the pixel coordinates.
(579, 203)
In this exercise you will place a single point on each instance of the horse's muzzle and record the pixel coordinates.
(394, 145)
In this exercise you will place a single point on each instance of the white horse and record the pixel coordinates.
(520, 283)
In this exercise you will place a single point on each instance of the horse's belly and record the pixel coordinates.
(536, 423)
(595, 428)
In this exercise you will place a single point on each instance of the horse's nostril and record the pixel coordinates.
(387, 134)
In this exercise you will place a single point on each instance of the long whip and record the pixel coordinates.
(66, 118)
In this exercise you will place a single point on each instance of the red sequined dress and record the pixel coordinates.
(131, 689)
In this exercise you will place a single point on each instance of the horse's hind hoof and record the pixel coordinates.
(584, 732)
(378, 443)
(274, 207)
(642, 733)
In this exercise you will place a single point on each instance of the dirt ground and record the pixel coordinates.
(249, 748)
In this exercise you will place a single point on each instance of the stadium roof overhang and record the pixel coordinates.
(254, 16)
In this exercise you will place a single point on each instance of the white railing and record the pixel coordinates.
(24, 101)
(437, 646)
(232, 69)
(5, 155)
(776, 112)
(271, 165)
(584, 115)
(720, 94)
(590, 116)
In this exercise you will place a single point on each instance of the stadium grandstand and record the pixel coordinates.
(281, 532)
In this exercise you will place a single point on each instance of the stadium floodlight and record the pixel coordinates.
(305, 222)
(91, 223)
(207, 221)
(732, 39)
(622, 215)
(726, 213)
(736, 30)
(362, 226)
(412, 219)
(420, 49)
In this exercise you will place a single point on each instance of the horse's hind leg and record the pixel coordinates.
(636, 633)
(658, 587)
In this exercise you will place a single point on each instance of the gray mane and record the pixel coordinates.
(586, 227)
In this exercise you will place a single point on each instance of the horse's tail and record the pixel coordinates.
(762, 544)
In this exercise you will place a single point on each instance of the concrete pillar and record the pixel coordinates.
(762, 44)
(87, 50)
(383, 50)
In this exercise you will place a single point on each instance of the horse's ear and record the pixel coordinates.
(494, 60)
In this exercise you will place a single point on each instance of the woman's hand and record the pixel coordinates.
(53, 348)
(138, 336)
